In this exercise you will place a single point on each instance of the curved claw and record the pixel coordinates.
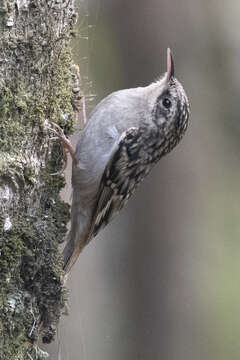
(65, 144)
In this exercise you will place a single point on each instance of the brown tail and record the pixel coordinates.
(70, 255)
(76, 239)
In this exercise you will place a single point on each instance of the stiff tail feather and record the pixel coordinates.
(70, 255)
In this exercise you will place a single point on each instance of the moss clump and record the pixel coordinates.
(12, 322)
(31, 276)
(9, 127)
(21, 110)
(60, 95)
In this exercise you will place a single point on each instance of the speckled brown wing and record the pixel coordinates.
(124, 171)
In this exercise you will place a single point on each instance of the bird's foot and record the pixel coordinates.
(65, 143)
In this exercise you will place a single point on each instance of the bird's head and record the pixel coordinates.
(169, 103)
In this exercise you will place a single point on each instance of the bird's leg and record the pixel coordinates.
(65, 143)
(84, 115)
(66, 147)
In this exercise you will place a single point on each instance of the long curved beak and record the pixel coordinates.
(170, 65)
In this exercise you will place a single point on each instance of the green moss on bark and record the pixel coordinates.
(35, 89)
(31, 274)
(32, 295)
(20, 110)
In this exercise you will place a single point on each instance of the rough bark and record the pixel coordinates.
(35, 89)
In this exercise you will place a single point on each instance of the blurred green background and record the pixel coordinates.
(162, 281)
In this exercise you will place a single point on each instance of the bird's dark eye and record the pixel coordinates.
(166, 103)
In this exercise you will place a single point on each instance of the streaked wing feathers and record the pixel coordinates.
(119, 179)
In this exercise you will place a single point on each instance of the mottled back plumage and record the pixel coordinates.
(127, 133)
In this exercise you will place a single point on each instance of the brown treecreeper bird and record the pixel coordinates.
(127, 134)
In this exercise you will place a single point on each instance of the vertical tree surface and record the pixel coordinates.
(36, 82)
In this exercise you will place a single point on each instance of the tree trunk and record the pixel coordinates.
(36, 81)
